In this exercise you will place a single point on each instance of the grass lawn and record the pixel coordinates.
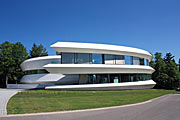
(50, 100)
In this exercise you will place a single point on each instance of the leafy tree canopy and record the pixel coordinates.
(11, 56)
(38, 51)
(166, 73)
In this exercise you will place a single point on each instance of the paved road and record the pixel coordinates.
(164, 108)
(5, 95)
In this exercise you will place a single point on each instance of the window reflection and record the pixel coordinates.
(116, 78)
(146, 62)
(120, 59)
(88, 58)
(109, 59)
(136, 61)
(128, 60)
(97, 59)
(68, 58)
(141, 61)
(82, 58)
(39, 71)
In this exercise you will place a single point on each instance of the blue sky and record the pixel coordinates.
(153, 25)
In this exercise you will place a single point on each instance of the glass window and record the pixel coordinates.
(102, 78)
(68, 58)
(90, 79)
(146, 62)
(39, 71)
(149, 77)
(131, 77)
(141, 61)
(143, 77)
(138, 77)
(120, 59)
(136, 61)
(128, 60)
(135, 77)
(83, 58)
(109, 59)
(96, 58)
(125, 78)
(116, 78)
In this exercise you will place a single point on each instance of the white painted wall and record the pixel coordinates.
(50, 79)
(41, 78)
(107, 86)
(97, 68)
(39, 62)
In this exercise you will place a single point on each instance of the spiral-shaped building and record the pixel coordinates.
(89, 66)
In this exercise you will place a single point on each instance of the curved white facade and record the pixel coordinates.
(96, 68)
(110, 86)
(42, 78)
(116, 66)
(100, 49)
(39, 62)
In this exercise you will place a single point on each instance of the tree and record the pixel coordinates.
(172, 72)
(11, 56)
(38, 51)
(179, 65)
(166, 73)
(19, 54)
(6, 61)
(159, 76)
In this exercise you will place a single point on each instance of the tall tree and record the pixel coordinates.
(159, 76)
(11, 56)
(166, 73)
(172, 72)
(6, 61)
(19, 54)
(38, 51)
(179, 65)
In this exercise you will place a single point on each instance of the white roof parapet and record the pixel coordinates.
(38, 62)
(100, 48)
(43, 58)
(96, 68)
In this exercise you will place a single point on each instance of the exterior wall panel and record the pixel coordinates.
(96, 68)
(39, 62)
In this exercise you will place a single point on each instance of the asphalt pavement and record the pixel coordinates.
(5, 95)
(163, 108)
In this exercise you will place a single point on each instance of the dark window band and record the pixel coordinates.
(39, 71)
(89, 58)
(112, 78)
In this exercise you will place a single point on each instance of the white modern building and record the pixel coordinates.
(90, 66)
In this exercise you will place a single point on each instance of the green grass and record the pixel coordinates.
(47, 101)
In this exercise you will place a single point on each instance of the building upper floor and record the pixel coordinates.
(72, 47)
(91, 58)
(90, 53)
